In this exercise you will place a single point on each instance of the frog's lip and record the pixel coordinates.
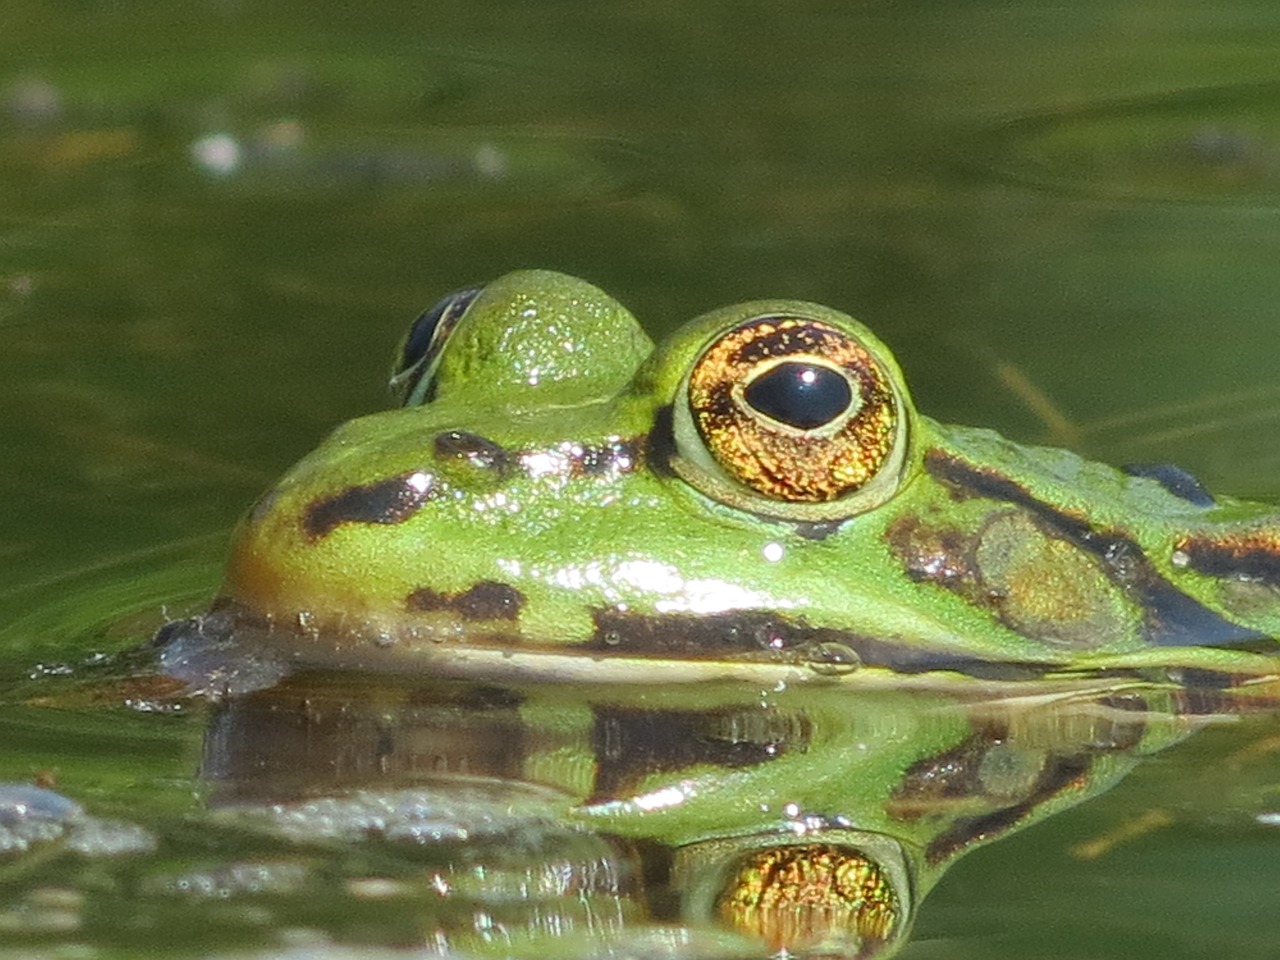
(232, 650)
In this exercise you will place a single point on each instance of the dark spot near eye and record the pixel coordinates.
(818, 530)
(487, 600)
(1252, 556)
(476, 450)
(613, 456)
(386, 502)
(941, 555)
(1177, 481)
(661, 445)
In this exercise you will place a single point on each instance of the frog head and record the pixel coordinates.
(555, 496)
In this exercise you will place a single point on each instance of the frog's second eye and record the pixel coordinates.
(792, 417)
(413, 376)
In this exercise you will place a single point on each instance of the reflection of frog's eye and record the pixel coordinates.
(793, 417)
(413, 376)
(840, 893)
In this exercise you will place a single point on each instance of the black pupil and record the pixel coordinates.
(801, 395)
(423, 331)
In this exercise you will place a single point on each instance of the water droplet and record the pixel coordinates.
(831, 659)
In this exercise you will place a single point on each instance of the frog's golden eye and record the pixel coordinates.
(413, 374)
(793, 417)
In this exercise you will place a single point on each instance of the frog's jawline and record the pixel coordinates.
(1170, 618)
(760, 634)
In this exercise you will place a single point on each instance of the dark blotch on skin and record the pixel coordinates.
(1177, 481)
(1171, 618)
(487, 600)
(1253, 557)
(386, 502)
(817, 530)
(476, 450)
(631, 744)
(660, 448)
(426, 600)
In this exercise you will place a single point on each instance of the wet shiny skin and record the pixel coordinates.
(555, 483)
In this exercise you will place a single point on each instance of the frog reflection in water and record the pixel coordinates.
(754, 499)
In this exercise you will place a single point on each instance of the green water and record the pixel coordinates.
(1083, 198)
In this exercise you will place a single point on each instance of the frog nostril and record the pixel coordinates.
(472, 449)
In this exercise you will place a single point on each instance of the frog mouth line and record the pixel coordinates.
(233, 650)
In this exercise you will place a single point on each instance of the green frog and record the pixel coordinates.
(555, 497)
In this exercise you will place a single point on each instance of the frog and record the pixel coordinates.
(555, 496)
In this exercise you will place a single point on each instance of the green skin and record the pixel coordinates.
(1017, 623)
(471, 534)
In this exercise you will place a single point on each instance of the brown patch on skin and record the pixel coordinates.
(487, 600)
(490, 600)
(1250, 555)
(1171, 618)
(940, 555)
(475, 450)
(385, 502)
(630, 745)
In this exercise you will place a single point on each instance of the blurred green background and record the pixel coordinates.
(217, 218)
